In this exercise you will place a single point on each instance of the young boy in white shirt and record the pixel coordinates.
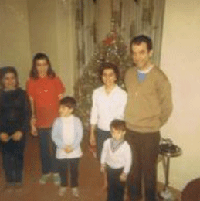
(67, 133)
(116, 160)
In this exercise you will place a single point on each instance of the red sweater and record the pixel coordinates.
(45, 92)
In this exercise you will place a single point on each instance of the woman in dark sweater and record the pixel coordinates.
(14, 124)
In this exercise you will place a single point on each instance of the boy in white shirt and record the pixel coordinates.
(116, 160)
(67, 133)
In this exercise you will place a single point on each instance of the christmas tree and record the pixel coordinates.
(112, 49)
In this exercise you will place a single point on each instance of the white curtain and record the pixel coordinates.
(133, 17)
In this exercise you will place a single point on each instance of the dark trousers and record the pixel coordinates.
(47, 151)
(69, 168)
(13, 160)
(115, 187)
(145, 147)
(101, 137)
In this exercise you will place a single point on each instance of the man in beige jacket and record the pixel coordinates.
(148, 108)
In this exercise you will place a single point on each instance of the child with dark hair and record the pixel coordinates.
(116, 160)
(45, 90)
(14, 125)
(67, 133)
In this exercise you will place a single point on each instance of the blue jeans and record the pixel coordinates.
(13, 159)
(69, 168)
(101, 137)
(115, 186)
(47, 151)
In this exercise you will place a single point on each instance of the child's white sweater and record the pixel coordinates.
(67, 131)
(120, 158)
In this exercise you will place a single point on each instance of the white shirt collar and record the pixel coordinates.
(113, 90)
(145, 71)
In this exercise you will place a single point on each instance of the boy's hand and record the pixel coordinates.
(68, 149)
(17, 136)
(123, 177)
(4, 137)
(103, 168)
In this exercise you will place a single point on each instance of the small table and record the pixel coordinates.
(167, 154)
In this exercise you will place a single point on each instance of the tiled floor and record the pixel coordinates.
(90, 180)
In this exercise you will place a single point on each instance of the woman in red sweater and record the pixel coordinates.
(45, 90)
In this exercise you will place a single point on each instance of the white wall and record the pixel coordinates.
(42, 23)
(52, 31)
(30, 26)
(14, 37)
(65, 43)
(181, 62)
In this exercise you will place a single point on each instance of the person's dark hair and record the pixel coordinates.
(69, 102)
(137, 40)
(112, 66)
(8, 69)
(34, 72)
(118, 125)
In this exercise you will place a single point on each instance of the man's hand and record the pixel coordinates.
(123, 177)
(68, 149)
(4, 137)
(17, 136)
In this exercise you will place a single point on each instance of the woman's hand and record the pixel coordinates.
(102, 168)
(33, 127)
(33, 119)
(92, 135)
(123, 177)
(60, 96)
(4, 137)
(92, 140)
(17, 136)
